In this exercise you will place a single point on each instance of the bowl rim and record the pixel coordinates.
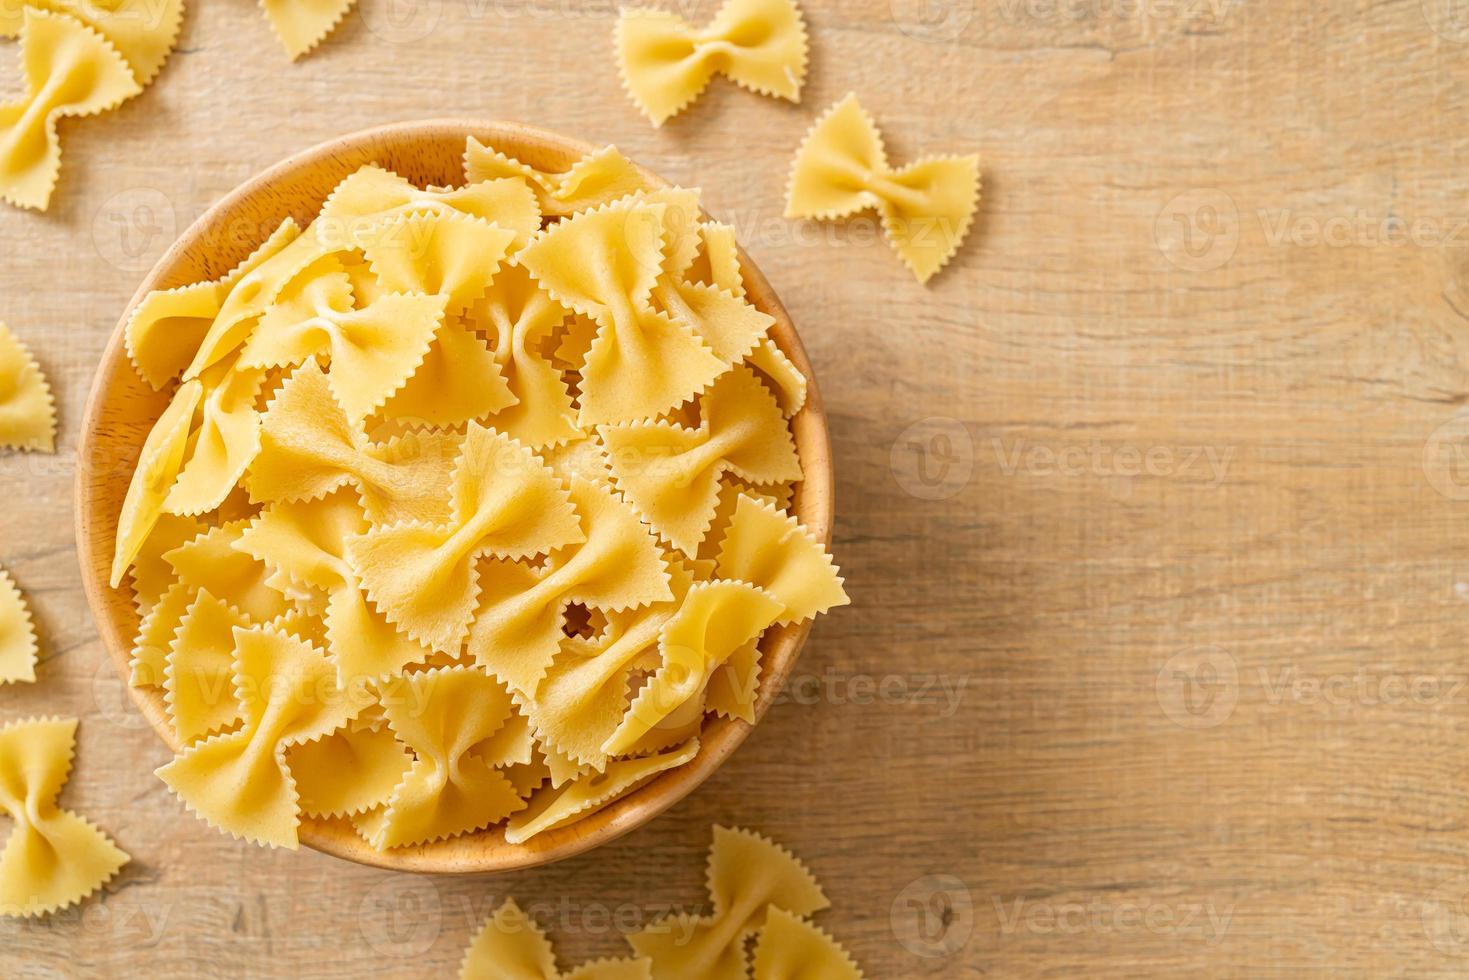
(95, 529)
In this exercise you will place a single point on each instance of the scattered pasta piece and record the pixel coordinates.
(748, 875)
(790, 948)
(303, 24)
(27, 410)
(926, 207)
(446, 525)
(666, 62)
(510, 946)
(70, 70)
(18, 646)
(53, 857)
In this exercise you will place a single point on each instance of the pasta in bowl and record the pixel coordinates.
(453, 497)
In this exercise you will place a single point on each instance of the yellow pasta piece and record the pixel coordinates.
(613, 564)
(303, 24)
(556, 806)
(70, 70)
(671, 474)
(448, 790)
(167, 328)
(240, 782)
(223, 445)
(143, 35)
(459, 381)
(348, 772)
(371, 191)
(373, 350)
(215, 562)
(771, 549)
(585, 693)
(445, 252)
(53, 858)
(255, 291)
(520, 316)
(18, 646)
(158, 467)
(926, 207)
(666, 62)
(598, 178)
(27, 409)
(790, 948)
(199, 677)
(734, 686)
(748, 875)
(604, 264)
(307, 541)
(510, 946)
(715, 620)
(309, 447)
(718, 265)
(505, 503)
(155, 634)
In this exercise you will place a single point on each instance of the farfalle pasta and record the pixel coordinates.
(926, 207)
(78, 58)
(446, 524)
(27, 408)
(666, 62)
(303, 24)
(757, 888)
(18, 646)
(53, 857)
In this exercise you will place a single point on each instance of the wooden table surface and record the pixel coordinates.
(1152, 505)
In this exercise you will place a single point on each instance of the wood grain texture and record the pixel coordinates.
(1211, 715)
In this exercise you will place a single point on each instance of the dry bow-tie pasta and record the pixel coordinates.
(27, 410)
(926, 207)
(757, 888)
(53, 857)
(666, 62)
(18, 647)
(468, 505)
(303, 24)
(78, 58)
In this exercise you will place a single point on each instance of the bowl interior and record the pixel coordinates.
(122, 408)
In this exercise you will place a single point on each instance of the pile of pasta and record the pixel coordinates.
(468, 505)
(79, 58)
(756, 889)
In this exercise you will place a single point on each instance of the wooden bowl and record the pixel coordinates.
(122, 409)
